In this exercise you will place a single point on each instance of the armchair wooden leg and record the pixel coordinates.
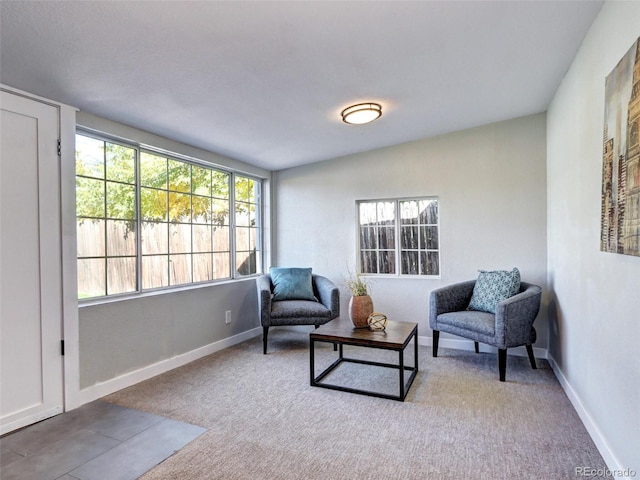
(436, 337)
(502, 363)
(477, 347)
(265, 332)
(532, 359)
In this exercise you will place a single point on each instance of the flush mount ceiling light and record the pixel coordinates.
(361, 113)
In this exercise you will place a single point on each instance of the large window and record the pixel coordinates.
(399, 237)
(148, 220)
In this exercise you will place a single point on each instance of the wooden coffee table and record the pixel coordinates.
(395, 337)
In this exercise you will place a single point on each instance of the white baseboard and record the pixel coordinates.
(598, 438)
(463, 344)
(99, 390)
(7, 426)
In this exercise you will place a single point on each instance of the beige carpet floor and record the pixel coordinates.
(265, 421)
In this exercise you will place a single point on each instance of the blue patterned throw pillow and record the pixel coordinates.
(292, 284)
(493, 287)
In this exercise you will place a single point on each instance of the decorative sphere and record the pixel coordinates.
(377, 321)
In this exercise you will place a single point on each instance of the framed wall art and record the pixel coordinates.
(620, 214)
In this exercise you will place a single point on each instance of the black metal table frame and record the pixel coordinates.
(401, 367)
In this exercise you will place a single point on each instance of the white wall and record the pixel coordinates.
(491, 182)
(125, 341)
(117, 338)
(595, 301)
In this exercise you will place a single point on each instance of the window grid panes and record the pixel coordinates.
(184, 234)
(247, 211)
(399, 236)
(377, 237)
(106, 217)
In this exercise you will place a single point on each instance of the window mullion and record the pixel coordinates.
(259, 232)
(398, 249)
(168, 220)
(232, 224)
(191, 232)
(106, 201)
(138, 222)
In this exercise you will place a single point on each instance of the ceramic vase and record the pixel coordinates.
(360, 308)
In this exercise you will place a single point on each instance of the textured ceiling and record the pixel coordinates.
(264, 82)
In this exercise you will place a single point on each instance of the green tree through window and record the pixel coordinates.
(149, 220)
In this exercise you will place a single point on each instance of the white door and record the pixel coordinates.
(31, 367)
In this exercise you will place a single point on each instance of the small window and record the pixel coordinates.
(399, 236)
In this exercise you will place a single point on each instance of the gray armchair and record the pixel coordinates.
(297, 312)
(511, 326)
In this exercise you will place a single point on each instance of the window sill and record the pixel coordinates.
(160, 291)
(376, 276)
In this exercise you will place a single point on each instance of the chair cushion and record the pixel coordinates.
(493, 287)
(292, 284)
(479, 322)
(303, 310)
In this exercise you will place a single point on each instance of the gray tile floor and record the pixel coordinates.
(99, 441)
